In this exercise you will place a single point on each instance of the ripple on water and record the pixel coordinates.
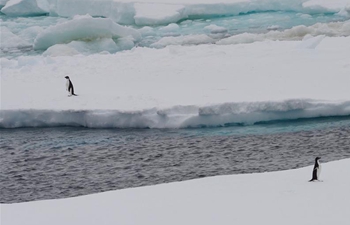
(57, 168)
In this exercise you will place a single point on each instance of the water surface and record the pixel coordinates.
(50, 163)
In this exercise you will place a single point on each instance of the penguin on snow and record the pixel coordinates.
(69, 86)
(317, 170)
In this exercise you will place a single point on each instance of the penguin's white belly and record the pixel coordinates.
(318, 171)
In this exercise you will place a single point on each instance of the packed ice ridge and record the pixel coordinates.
(84, 35)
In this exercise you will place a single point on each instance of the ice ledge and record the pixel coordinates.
(178, 116)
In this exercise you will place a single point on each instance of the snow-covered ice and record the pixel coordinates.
(284, 197)
(133, 88)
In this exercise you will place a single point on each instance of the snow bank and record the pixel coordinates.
(82, 28)
(176, 117)
(142, 12)
(275, 198)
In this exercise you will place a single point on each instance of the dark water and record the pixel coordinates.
(49, 163)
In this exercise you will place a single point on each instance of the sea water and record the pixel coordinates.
(50, 163)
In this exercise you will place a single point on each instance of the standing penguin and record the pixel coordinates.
(317, 169)
(69, 86)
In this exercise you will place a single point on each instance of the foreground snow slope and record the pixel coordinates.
(274, 198)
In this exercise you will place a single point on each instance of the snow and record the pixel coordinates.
(284, 197)
(83, 28)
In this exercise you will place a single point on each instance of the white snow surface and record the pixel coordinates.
(284, 197)
(179, 86)
(141, 12)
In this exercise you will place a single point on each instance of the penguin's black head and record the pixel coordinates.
(317, 158)
(66, 77)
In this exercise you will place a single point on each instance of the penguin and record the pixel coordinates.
(69, 86)
(317, 170)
